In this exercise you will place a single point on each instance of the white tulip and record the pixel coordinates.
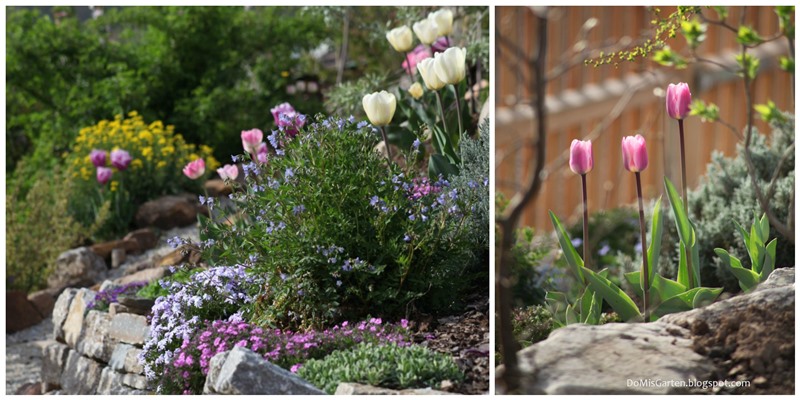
(450, 65)
(426, 69)
(426, 31)
(400, 38)
(444, 21)
(416, 91)
(379, 107)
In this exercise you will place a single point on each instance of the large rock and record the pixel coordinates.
(779, 277)
(611, 359)
(146, 237)
(147, 275)
(95, 341)
(44, 301)
(104, 249)
(126, 359)
(81, 375)
(61, 311)
(73, 325)
(129, 328)
(79, 267)
(168, 212)
(242, 371)
(20, 312)
(54, 358)
(358, 389)
(113, 383)
(217, 187)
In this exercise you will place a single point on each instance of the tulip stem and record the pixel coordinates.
(458, 110)
(585, 225)
(645, 269)
(689, 268)
(441, 109)
(386, 143)
(408, 68)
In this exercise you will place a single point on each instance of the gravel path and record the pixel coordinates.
(24, 355)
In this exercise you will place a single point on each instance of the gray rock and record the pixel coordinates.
(81, 375)
(126, 359)
(77, 267)
(54, 358)
(242, 371)
(168, 212)
(129, 328)
(611, 359)
(134, 381)
(779, 277)
(95, 341)
(146, 275)
(73, 325)
(60, 312)
(351, 389)
(112, 383)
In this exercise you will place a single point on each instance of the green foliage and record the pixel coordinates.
(208, 70)
(474, 173)
(726, 194)
(694, 31)
(345, 98)
(787, 64)
(708, 112)
(762, 255)
(785, 14)
(338, 234)
(528, 256)
(389, 366)
(747, 36)
(38, 229)
(668, 58)
(612, 232)
(154, 290)
(769, 112)
(748, 65)
(688, 237)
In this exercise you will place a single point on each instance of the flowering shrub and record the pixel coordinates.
(339, 234)
(124, 163)
(209, 295)
(104, 298)
(389, 366)
(286, 349)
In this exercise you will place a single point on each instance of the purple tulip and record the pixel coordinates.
(229, 172)
(581, 160)
(634, 153)
(288, 118)
(441, 44)
(104, 175)
(120, 159)
(678, 100)
(195, 169)
(98, 157)
(251, 140)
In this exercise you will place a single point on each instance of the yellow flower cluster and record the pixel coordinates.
(156, 149)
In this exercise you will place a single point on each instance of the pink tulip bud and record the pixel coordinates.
(120, 159)
(229, 172)
(581, 160)
(104, 175)
(251, 140)
(678, 100)
(195, 169)
(262, 153)
(98, 157)
(634, 153)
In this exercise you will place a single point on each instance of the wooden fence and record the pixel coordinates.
(608, 102)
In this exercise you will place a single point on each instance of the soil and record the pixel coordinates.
(756, 345)
(466, 338)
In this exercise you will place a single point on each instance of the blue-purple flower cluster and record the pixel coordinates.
(104, 298)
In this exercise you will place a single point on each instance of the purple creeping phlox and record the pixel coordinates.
(287, 349)
(104, 298)
(216, 293)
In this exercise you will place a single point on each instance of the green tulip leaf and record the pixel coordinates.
(686, 301)
(572, 316)
(666, 288)
(705, 296)
(635, 280)
(557, 304)
(747, 278)
(573, 259)
(437, 165)
(681, 219)
(656, 232)
(769, 261)
(613, 295)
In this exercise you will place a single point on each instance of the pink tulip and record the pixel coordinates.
(262, 153)
(678, 100)
(288, 118)
(98, 157)
(104, 175)
(120, 159)
(228, 172)
(634, 153)
(580, 156)
(419, 53)
(195, 169)
(251, 140)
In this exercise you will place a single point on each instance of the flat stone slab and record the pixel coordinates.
(129, 328)
(358, 389)
(242, 371)
(126, 359)
(81, 375)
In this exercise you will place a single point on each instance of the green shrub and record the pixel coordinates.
(389, 366)
(338, 234)
(726, 194)
(38, 229)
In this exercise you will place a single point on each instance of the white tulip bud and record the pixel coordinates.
(426, 31)
(400, 38)
(379, 107)
(450, 65)
(444, 21)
